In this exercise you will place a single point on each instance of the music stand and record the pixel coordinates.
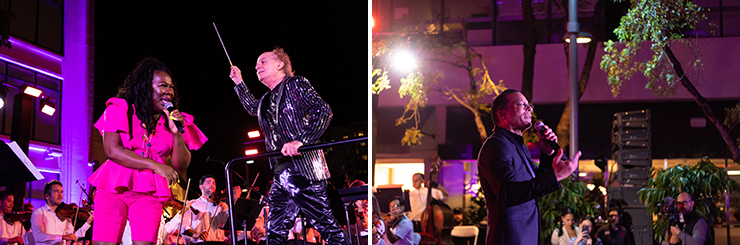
(245, 209)
(15, 167)
(348, 196)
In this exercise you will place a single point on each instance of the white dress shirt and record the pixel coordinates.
(168, 235)
(48, 229)
(202, 222)
(418, 201)
(8, 231)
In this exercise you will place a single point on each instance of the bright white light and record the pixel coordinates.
(251, 152)
(404, 61)
(579, 40)
(2, 102)
(32, 91)
(253, 134)
(582, 174)
(48, 110)
(590, 187)
(733, 172)
(603, 190)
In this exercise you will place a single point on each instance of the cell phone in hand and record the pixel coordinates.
(585, 228)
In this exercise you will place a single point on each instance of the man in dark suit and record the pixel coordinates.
(510, 179)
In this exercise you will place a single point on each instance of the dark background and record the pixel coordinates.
(327, 46)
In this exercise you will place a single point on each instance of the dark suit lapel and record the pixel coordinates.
(526, 158)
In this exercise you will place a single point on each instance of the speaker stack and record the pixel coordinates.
(631, 141)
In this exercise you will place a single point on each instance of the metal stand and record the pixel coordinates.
(303, 227)
(227, 169)
(245, 232)
(346, 216)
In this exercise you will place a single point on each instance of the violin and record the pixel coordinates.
(378, 226)
(23, 216)
(218, 197)
(68, 211)
(178, 205)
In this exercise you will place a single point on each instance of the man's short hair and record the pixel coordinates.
(283, 57)
(420, 174)
(47, 187)
(619, 211)
(203, 179)
(400, 201)
(4, 194)
(500, 103)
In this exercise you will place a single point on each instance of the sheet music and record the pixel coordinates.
(18, 152)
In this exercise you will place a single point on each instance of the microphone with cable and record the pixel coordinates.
(170, 107)
(539, 127)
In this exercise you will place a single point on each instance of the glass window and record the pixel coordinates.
(707, 3)
(24, 24)
(709, 27)
(39, 22)
(731, 23)
(46, 128)
(21, 73)
(50, 25)
(48, 82)
(8, 111)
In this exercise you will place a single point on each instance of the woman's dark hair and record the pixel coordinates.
(137, 91)
(593, 222)
(565, 212)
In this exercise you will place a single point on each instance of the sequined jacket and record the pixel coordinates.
(292, 110)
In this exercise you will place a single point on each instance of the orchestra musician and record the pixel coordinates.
(48, 225)
(212, 215)
(11, 230)
(418, 199)
(400, 229)
(27, 208)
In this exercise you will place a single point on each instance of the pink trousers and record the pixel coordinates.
(142, 210)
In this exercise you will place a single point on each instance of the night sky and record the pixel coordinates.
(327, 42)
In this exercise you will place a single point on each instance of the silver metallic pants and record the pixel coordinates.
(292, 193)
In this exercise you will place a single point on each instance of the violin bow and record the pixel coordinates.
(253, 182)
(182, 217)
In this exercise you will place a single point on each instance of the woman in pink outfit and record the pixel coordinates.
(138, 136)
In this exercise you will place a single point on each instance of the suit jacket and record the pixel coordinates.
(511, 182)
(291, 111)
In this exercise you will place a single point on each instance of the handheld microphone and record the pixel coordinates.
(170, 107)
(539, 126)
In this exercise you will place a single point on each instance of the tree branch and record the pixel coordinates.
(703, 104)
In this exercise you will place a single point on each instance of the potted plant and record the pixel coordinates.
(705, 182)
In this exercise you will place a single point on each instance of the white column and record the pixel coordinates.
(77, 97)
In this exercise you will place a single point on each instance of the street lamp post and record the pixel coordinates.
(573, 74)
